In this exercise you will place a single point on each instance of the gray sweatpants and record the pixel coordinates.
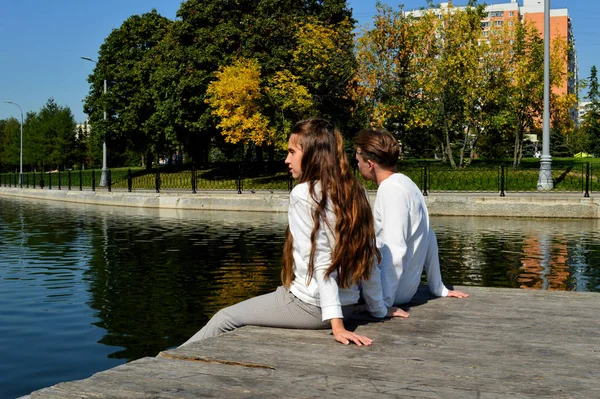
(277, 309)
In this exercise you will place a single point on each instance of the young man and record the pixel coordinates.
(404, 236)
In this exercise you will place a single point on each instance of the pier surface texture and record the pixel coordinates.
(499, 343)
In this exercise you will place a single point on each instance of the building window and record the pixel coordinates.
(510, 23)
(485, 24)
(495, 14)
(511, 13)
(498, 23)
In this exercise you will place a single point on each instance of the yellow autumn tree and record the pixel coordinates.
(235, 98)
(324, 62)
(289, 101)
(382, 86)
(563, 101)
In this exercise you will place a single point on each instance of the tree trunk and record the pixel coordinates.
(464, 146)
(448, 145)
(443, 148)
(148, 161)
(516, 147)
(472, 149)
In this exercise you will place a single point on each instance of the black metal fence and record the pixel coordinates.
(273, 176)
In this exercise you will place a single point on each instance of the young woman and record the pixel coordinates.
(329, 248)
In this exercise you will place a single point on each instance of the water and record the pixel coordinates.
(85, 288)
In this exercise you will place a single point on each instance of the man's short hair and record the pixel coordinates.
(379, 146)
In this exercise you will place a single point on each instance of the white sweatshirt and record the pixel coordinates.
(320, 291)
(406, 241)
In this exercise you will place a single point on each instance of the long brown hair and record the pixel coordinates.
(325, 163)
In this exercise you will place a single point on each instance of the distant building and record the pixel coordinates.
(83, 128)
(582, 110)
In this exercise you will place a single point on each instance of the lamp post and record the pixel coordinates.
(545, 182)
(21, 151)
(103, 176)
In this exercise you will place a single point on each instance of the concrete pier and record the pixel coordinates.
(499, 343)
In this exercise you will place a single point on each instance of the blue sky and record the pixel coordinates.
(43, 41)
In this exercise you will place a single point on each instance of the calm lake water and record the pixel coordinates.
(85, 288)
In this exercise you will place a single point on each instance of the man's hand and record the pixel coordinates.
(343, 336)
(457, 294)
(395, 311)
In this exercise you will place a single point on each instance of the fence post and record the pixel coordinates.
(34, 179)
(129, 182)
(425, 179)
(290, 181)
(69, 179)
(587, 181)
(193, 179)
(27, 181)
(157, 180)
(93, 180)
(81, 178)
(109, 180)
(59, 187)
(502, 181)
(42, 179)
(49, 181)
(239, 179)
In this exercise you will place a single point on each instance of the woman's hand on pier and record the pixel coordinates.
(344, 336)
(395, 311)
(457, 294)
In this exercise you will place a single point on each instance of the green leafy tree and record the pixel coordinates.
(591, 120)
(129, 101)
(382, 86)
(210, 35)
(58, 133)
(449, 56)
(10, 137)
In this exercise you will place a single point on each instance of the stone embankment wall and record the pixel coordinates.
(535, 205)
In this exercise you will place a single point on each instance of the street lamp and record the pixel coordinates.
(545, 182)
(21, 155)
(103, 177)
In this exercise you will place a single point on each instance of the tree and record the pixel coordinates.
(214, 34)
(57, 126)
(10, 142)
(448, 57)
(235, 98)
(323, 62)
(129, 101)
(381, 85)
(591, 120)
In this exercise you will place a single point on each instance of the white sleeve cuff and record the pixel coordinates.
(445, 292)
(331, 312)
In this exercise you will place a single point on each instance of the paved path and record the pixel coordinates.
(499, 343)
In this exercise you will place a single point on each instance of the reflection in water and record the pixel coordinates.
(520, 253)
(85, 288)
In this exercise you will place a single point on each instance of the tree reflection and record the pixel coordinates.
(154, 285)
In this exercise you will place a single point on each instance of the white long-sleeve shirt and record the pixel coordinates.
(319, 291)
(406, 241)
